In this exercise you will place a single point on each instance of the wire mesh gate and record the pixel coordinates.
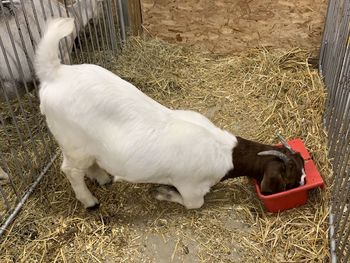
(26, 148)
(335, 68)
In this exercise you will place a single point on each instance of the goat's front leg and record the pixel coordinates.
(76, 179)
(95, 172)
(193, 196)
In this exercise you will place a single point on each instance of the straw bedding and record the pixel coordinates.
(252, 95)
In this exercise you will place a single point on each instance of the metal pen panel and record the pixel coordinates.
(27, 149)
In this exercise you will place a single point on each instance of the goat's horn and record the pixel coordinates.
(284, 142)
(278, 154)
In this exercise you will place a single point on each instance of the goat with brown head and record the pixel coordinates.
(140, 140)
(276, 168)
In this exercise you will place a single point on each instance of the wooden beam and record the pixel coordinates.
(135, 17)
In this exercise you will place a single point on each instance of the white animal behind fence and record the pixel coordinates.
(21, 25)
(104, 123)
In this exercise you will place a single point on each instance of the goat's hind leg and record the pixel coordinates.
(75, 172)
(95, 172)
(192, 199)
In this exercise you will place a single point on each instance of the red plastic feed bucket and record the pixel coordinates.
(297, 196)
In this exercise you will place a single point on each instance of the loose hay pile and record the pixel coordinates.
(251, 95)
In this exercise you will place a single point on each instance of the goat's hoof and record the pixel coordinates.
(164, 192)
(104, 180)
(94, 207)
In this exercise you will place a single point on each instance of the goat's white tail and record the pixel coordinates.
(46, 59)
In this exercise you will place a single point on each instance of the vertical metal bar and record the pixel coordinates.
(31, 35)
(20, 71)
(342, 100)
(94, 25)
(331, 118)
(343, 130)
(116, 24)
(327, 39)
(33, 44)
(323, 49)
(335, 68)
(331, 238)
(111, 26)
(329, 59)
(52, 14)
(335, 122)
(81, 27)
(343, 152)
(69, 14)
(342, 240)
(36, 18)
(342, 33)
(339, 206)
(335, 95)
(50, 8)
(122, 20)
(8, 101)
(67, 47)
(76, 13)
(338, 129)
(340, 141)
(105, 11)
(101, 38)
(43, 10)
(25, 50)
(23, 43)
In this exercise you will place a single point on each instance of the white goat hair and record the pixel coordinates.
(103, 121)
(21, 68)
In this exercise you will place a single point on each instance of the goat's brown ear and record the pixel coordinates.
(272, 182)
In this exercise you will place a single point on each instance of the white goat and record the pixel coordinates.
(102, 121)
(37, 12)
